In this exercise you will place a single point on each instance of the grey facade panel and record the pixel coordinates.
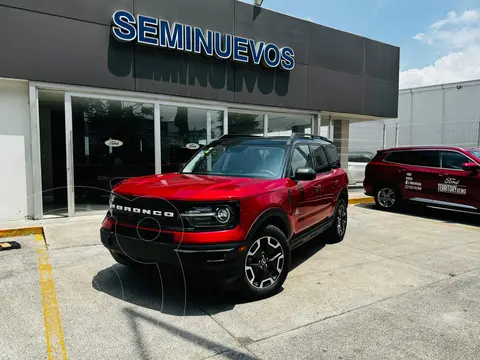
(335, 91)
(335, 50)
(270, 27)
(215, 15)
(381, 61)
(260, 86)
(62, 50)
(88, 10)
(335, 71)
(177, 73)
(380, 97)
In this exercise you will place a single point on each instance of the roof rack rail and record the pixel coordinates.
(295, 136)
(232, 136)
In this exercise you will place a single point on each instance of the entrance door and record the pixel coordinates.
(107, 141)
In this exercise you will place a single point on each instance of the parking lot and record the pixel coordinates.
(400, 286)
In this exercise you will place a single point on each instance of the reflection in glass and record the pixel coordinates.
(185, 130)
(112, 140)
(284, 125)
(245, 124)
(233, 158)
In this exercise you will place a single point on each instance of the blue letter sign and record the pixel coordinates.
(160, 33)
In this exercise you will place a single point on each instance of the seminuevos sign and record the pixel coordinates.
(155, 32)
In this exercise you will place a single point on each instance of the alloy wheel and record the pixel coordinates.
(386, 198)
(264, 262)
(341, 219)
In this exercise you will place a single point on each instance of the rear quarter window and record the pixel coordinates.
(399, 157)
(332, 155)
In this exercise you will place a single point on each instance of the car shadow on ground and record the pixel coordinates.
(446, 216)
(166, 290)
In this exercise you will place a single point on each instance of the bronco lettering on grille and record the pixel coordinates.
(143, 211)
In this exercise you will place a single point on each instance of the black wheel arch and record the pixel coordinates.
(343, 194)
(272, 216)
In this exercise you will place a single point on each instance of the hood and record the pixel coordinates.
(196, 187)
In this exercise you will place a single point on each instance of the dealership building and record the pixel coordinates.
(95, 91)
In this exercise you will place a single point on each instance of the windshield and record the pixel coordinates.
(259, 161)
(475, 153)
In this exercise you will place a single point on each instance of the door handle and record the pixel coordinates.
(441, 174)
(402, 171)
(318, 187)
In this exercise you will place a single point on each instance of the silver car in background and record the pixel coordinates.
(357, 162)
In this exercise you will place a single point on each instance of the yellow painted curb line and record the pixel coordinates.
(362, 200)
(35, 230)
(51, 315)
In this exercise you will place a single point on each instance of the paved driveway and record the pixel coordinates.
(400, 286)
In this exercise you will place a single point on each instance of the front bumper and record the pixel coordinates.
(218, 264)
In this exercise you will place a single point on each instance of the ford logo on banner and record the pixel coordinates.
(113, 143)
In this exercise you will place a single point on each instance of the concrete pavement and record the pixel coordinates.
(400, 286)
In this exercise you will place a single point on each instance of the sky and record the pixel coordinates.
(439, 40)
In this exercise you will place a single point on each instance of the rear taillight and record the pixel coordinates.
(108, 223)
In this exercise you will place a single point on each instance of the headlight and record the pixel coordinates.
(219, 217)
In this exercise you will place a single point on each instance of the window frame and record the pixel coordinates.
(293, 147)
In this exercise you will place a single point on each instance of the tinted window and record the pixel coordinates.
(453, 160)
(400, 157)
(425, 158)
(301, 158)
(321, 161)
(332, 154)
(428, 158)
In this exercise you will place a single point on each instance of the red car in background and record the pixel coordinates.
(442, 176)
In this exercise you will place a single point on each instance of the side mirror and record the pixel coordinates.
(305, 174)
(470, 166)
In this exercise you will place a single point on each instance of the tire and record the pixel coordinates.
(338, 229)
(387, 198)
(266, 265)
(124, 260)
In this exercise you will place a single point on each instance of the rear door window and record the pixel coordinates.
(430, 158)
(332, 155)
(321, 161)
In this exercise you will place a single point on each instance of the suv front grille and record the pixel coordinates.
(153, 213)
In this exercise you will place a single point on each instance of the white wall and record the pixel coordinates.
(445, 114)
(15, 150)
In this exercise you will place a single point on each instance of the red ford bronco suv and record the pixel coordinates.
(439, 176)
(234, 212)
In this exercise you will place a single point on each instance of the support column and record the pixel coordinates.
(341, 135)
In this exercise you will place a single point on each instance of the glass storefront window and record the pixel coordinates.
(284, 125)
(185, 130)
(112, 140)
(245, 124)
